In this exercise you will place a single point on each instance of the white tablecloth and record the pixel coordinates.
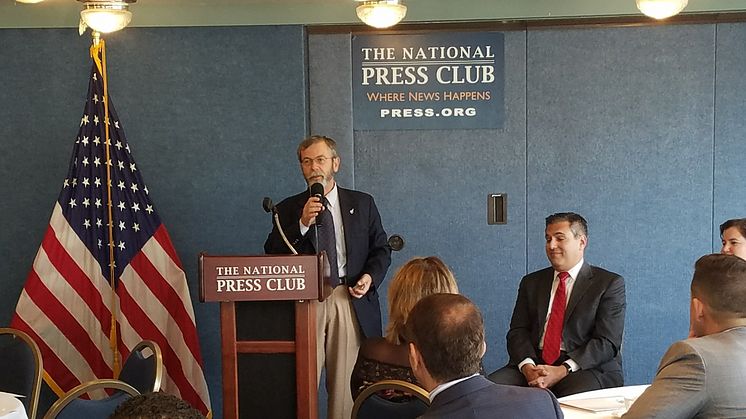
(11, 407)
(618, 394)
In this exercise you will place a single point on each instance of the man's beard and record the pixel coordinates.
(317, 177)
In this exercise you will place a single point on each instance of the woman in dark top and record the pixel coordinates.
(387, 358)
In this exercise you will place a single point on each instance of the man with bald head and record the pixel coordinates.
(446, 345)
(705, 376)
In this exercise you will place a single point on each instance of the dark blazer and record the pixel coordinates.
(366, 241)
(594, 320)
(479, 397)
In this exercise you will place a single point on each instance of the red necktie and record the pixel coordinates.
(553, 334)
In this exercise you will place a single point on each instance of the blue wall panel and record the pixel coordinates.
(620, 130)
(431, 186)
(730, 127)
(212, 115)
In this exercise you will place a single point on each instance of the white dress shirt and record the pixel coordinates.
(569, 283)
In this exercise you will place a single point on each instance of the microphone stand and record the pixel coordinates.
(276, 218)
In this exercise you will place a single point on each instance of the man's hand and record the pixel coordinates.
(312, 208)
(534, 375)
(552, 375)
(361, 287)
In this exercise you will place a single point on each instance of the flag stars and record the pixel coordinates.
(72, 203)
(99, 224)
(95, 96)
(95, 119)
(97, 182)
(120, 185)
(94, 76)
(86, 202)
(97, 161)
(85, 161)
(121, 206)
(87, 223)
(75, 181)
(118, 145)
(108, 162)
(97, 140)
(98, 203)
(116, 124)
(86, 182)
(136, 227)
(99, 243)
(84, 141)
(132, 167)
(127, 147)
(134, 187)
(65, 184)
(135, 207)
(120, 165)
(121, 225)
(84, 120)
(121, 245)
(149, 209)
(146, 191)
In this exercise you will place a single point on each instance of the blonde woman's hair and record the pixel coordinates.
(414, 280)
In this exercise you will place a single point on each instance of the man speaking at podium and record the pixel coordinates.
(347, 225)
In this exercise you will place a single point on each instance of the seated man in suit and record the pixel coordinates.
(568, 321)
(704, 376)
(446, 345)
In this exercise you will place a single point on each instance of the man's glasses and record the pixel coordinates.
(321, 160)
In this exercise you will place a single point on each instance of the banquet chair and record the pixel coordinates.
(22, 368)
(369, 405)
(71, 406)
(143, 368)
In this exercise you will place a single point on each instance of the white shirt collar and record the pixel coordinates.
(574, 271)
(439, 389)
(333, 196)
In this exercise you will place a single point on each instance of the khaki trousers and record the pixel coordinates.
(337, 343)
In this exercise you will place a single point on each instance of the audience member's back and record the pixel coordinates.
(446, 347)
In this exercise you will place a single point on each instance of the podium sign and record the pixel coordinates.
(261, 278)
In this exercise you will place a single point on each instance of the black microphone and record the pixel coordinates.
(317, 190)
(267, 204)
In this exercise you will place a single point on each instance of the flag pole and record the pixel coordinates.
(99, 48)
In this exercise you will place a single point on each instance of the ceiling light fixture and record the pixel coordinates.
(661, 9)
(106, 16)
(381, 13)
(29, 1)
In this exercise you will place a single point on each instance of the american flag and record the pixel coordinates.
(67, 304)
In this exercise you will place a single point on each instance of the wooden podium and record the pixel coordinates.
(268, 331)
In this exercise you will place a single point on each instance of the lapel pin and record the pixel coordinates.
(352, 211)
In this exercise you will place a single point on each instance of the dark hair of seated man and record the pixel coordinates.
(155, 405)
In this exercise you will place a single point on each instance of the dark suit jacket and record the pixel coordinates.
(479, 397)
(594, 320)
(367, 248)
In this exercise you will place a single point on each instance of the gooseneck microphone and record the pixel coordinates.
(269, 206)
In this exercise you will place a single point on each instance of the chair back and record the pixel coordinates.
(71, 406)
(22, 368)
(369, 405)
(143, 368)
